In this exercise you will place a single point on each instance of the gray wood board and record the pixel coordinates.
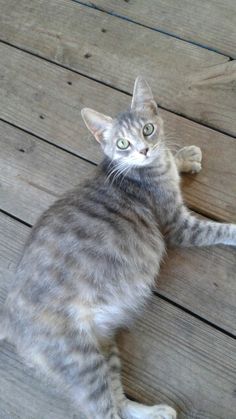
(186, 79)
(39, 99)
(181, 361)
(33, 174)
(209, 23)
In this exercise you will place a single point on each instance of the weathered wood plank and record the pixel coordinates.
(186, 79)
(181, 361)
(174, 355)
(200, 280)
(33, 173)
(213, 190)
(12, 236)
(203, 281)
(38, 98)
(208, 23)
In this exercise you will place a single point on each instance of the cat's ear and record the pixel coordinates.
(96, 122)
(143, 99)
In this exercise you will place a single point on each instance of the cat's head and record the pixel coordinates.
(134, 137)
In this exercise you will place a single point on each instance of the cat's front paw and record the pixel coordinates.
(189, 159)
(133, 410)
(162, 411)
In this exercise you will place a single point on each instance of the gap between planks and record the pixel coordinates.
(93, 5)
(179, 86)
(114, 87)
(41, 88)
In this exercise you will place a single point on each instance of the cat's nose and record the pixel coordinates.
(144, 151)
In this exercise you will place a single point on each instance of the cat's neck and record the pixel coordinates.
(140, 176)
(115, 176)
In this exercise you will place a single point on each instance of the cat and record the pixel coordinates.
(92, 259)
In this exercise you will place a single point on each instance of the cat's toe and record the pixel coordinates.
(189, 159)
(195, 167)
(195, 152)
(163, 412)
(191, 153)
(189, 166)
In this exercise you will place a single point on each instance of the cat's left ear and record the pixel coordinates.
(96, 122)
(143, 99)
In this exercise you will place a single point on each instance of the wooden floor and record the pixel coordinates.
(58, 56)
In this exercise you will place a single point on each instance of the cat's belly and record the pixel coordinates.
(117, 287)
(121, 312)
(132, 293)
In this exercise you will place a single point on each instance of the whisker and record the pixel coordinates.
(117, 171)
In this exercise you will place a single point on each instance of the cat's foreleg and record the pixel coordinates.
(186, 230)
(128, 409)
(188, 159)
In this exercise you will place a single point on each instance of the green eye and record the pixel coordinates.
(148, 129)
(122, 143)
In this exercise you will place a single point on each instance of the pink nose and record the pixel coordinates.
(144, 151)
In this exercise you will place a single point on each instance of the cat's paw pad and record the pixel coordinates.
(193, 167)
(189, 159)
(162, 412)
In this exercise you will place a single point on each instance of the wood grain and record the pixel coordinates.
(33, 174)
(39, 99)
(172, 357)
(186, 79)
(181, 361)
(203, 281)
(209, 23)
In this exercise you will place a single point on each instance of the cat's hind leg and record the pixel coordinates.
(128, 409)
(188, 159)
(81, 370)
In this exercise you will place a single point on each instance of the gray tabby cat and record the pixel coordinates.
(92, 259)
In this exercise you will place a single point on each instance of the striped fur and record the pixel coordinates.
(91, 260)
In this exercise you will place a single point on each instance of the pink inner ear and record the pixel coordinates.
(147, 107)
(143, 100)
(98, 135)
(153, 106)
(96, 122)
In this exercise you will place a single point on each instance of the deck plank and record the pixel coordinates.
(181, 361)
(186, 79)
(201, 280)
(171, 356)
(208, 23)
(173, 353)
(39, 99)
(34, 173)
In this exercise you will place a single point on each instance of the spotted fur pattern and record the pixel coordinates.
(92, 258)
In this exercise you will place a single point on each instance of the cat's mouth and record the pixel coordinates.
(151, 154)
(148, 159)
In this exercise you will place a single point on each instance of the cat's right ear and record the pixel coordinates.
(143, 100)
(96, 122)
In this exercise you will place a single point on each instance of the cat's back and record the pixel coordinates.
(98, 219)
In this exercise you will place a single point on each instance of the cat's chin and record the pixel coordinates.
(147, 161)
